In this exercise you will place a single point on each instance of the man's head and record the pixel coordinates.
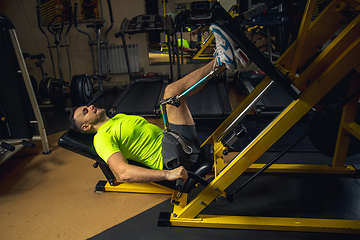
(87, 119)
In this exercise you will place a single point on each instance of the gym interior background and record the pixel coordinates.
(52, 196)
(23, 16)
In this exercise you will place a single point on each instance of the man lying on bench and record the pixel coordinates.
(132, 137)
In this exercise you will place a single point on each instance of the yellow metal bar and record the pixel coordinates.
(219, 163)
(329, 54)
(164, 6)
(271, 223)
(204, 46)
(320, 31)
(138, 188)
(200, 54)
(354, 129)
(238, 110)
(354, 4)
(303, 168)
(304, 27)
(347, 118)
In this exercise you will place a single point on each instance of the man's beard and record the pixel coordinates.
(99, 118)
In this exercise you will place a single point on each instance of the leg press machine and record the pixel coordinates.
(319, 75)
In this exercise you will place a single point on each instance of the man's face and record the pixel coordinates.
(89, 115)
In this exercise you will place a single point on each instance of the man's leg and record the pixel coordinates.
(194, 33)
(181, 115)
(226, 53)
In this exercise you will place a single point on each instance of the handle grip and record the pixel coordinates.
(28, 144)
(7, 146)
(75, 22)
(178, 183)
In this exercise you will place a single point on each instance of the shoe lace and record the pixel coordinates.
(218, 55)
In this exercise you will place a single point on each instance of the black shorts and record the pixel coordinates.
(172, 151)
(193, 44)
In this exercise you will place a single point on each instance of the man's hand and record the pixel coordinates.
(130, 173)
(177, 173)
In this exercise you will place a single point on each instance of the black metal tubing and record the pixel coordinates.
(127, 56)
(111, 18)
(52, 22)
(108, 173)
(259, 9)
(76, 25)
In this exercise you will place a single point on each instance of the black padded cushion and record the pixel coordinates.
(82, 144)
(79, 143)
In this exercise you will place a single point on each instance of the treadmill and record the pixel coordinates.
(142, 95)
(212, 101)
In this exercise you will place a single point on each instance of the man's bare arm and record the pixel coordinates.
(190, 50)
(130, 173)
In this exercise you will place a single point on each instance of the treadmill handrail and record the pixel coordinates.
(122, 28)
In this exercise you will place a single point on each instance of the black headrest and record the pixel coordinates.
(79, 143)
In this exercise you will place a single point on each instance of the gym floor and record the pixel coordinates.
(52, 196)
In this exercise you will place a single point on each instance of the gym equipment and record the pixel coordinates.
(32, 78)
(212, 101)
(55, 87)
(273, 102)
(47, 90)
(82, 85)
(142, 95)
(270, 21)
(18, 106)
(322, 74)
(339, 59)
(45, 83)
(199, 15)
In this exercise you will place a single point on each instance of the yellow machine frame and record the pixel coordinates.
(337, 60)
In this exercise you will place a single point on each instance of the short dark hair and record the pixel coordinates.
(72, 121)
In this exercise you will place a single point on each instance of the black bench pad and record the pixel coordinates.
(79, 143)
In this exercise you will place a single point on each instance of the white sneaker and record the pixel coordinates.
(226, 51)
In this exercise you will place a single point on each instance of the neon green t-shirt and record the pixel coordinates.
(186, 43)
(134, 137)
